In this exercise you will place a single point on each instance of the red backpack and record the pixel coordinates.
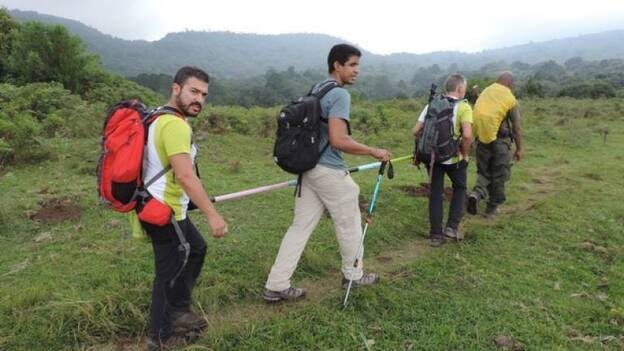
(120, 167)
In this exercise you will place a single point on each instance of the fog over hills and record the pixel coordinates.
(243, 55)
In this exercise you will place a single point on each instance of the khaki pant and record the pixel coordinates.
(322, 187)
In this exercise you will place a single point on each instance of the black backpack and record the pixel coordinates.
(298, 134)
(437, 142)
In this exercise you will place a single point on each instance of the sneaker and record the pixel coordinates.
(291, 294)
(367, 279)
(473, 204)
(174, 342)
(454, 233)
(491, 212)
(437, 240)
(184, 322)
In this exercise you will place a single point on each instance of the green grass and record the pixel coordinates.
(526, 275)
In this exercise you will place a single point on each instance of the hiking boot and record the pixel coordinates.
(491, 212)
(174, 342)
(367, 279)
(291, 294)
(184, 322)
(454, 233)
(473, 204)
(437, 240)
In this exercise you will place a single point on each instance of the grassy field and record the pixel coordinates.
(547, 274)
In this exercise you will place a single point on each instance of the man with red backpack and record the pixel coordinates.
(170, 149)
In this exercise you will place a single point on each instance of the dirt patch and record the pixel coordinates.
(422, 190)
(57, 210)
(508, 343)
(593, 176)
(44, 190)
(588, 245)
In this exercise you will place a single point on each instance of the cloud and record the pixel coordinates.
(381, 27)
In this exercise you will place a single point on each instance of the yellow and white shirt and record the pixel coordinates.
(168, 135)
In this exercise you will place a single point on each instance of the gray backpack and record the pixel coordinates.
(437, 142)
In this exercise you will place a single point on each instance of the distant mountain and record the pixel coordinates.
(234, 55)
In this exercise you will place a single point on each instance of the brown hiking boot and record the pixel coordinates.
(185, 322)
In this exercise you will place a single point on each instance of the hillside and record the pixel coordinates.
(236, 55)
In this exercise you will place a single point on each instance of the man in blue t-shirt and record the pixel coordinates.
(328, 186)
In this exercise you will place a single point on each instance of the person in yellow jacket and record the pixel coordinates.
(496, 127)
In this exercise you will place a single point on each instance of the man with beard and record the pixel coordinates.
(170, 149)
(328, 186)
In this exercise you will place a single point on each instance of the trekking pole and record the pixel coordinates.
(248, 192)
(369, 216)
(376, 164)
(261, 189)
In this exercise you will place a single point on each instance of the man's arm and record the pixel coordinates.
(185, 175)
(517, 130)
(420, 122)
(341, 140)
(417, 128)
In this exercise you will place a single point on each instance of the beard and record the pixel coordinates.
(185, 108)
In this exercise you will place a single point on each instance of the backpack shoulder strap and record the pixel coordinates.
(161, 110)
(169, 109)
(150, 118)
(324, 89)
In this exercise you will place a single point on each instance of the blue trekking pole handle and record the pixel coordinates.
(380, 174)
(372, 165)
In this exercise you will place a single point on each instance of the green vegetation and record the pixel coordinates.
(577, 78)
(50, 87)
(548, 273)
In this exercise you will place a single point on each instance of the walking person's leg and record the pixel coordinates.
(180, 295)
(308, 211)
(167, 262)
(340, 195)
(458, 175)
(480, 190)
(436, 209)
(500, 174)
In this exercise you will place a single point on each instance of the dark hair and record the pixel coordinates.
(187, 72)
(341, 53)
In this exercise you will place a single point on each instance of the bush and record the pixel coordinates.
(589, 89)
(21, 139)
(110, 89)
(44, 53)
(33, 112)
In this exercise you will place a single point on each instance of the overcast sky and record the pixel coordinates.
(379, 26)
